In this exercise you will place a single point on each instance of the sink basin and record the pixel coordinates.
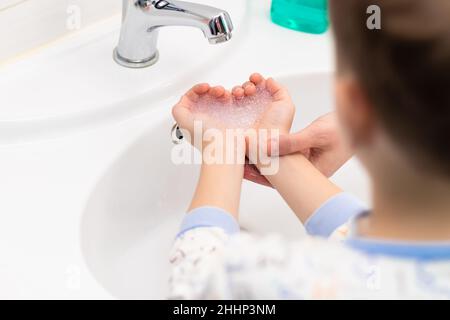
(74, 83)
(135, 209)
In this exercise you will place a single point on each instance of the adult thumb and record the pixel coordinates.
(290, 143)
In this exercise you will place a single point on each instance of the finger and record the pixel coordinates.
(274, 87)
(191, 95)
(273, 147)
(226, 96)
(238, 92)
(257, 79)
(201, 88)
(196, 91)
(249, 88)
(252, 174)
(291, 143)
(217, 92)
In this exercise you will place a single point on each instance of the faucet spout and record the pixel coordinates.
(141, 20)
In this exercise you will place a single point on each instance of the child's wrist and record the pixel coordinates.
(220, 186)
(225, 152)
(262, 148)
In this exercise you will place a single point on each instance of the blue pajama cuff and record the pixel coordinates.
(209, 217)
(335, 212)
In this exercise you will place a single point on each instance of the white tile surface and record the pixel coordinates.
(30, 23)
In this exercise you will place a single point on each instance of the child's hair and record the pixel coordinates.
(404, 68)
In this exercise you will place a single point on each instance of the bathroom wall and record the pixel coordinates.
(26, 24)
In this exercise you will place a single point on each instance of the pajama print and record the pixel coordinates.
(213, 259)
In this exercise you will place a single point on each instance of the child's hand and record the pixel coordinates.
(280, 111)
(185, 111)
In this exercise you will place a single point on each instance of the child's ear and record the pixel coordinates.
(354, 111)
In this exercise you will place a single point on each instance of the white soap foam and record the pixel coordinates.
(236, 113)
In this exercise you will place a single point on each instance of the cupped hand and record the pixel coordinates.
(280, 109)
(257, 104)
(185, 112)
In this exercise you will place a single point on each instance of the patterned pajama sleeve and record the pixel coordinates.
(211, 259)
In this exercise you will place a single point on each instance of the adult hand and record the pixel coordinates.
(321, 142)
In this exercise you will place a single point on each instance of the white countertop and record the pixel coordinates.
(47, 176)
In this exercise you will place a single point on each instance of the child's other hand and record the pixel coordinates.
(280, 112)
(184, 111)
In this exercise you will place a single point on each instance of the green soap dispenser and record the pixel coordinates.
(303, 15)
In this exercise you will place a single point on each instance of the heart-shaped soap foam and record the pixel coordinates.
(236, 113)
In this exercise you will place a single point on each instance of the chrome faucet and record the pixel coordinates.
(141, 20)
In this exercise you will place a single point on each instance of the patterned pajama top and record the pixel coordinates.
(213, 259)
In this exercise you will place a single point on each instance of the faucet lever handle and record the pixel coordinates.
(161, 4)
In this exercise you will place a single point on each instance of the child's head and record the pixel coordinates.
(393, 83)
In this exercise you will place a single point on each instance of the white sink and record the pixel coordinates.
(74, 84)
(86, 144)
(134, 211)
